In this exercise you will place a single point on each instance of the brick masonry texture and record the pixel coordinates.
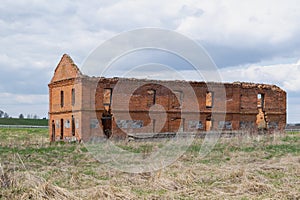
(83, 108)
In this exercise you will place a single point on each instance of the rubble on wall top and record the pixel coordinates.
(115, 79)
(234, 84)
(258, 85)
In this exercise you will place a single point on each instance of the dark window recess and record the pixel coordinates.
(73, 97)
(62, 100)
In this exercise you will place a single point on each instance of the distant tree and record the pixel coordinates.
(35, 116)
(6, 115)
(1, 113)
(28, 116)
(21, 116)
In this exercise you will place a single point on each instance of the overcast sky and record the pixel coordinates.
(256, 41)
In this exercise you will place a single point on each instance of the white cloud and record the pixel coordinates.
(240, 23)
(34, 34)
(15, 104)
(10, 98)
(284, 75)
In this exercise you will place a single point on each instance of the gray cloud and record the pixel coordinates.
(231, 55)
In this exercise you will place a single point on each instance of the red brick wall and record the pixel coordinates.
(132, 99)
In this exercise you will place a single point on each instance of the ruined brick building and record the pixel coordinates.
(82, 107)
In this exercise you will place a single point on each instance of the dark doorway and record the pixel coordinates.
(73, 126)
(53, 132)
(106, 120)
(61, 129)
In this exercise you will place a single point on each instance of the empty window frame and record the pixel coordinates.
(57, 124)
(152, 97)
(73, 96)
(67, 123)
(107, 95)
(260, 100)
(62, 99)
(208, 124)
(177, 98)
(209, 99)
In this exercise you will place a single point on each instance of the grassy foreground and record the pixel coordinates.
(248, 167)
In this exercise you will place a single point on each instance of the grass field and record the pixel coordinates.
(249, 167)
(16, 121)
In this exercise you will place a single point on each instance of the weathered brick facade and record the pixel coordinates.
(83, 107)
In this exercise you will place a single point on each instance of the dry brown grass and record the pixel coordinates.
(256, 167)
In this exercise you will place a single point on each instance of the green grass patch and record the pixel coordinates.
(17, 121)
(15, 135)
(281, 149)
(89, 172)
(273, 174)
(38, 150)
(290, 139)
(144, 148)
(141, 191)
(293, 132)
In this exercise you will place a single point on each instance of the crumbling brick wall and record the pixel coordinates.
(156, 106)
